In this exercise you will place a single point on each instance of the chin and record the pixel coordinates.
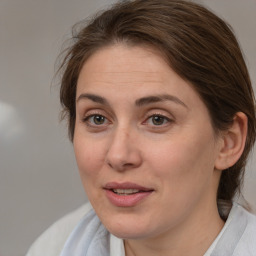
(126, 229)
(129, 234)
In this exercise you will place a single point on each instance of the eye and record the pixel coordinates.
(95, 120)
(157, 120)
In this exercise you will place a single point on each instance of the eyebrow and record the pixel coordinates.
(159, 98)
(93, 97)
(139, 102)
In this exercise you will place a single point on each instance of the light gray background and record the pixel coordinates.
(39, 181)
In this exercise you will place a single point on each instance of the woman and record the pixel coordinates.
(161, 113)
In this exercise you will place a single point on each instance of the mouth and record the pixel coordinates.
(126, 194)
(126, 188)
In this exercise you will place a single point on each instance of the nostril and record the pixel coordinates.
(122, 154)
(110, 164)
(119, 165)
(128, 165)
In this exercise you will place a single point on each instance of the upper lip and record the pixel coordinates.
(125, 185)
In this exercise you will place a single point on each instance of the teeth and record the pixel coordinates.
(125, 191)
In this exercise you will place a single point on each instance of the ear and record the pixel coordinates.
(233, 142)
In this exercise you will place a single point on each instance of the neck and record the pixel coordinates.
(192, 237)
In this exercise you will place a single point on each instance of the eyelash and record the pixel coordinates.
(87, 118)
(162, 118)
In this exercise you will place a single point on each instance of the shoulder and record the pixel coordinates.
(238, 236)
(51, 242)
(247, 242)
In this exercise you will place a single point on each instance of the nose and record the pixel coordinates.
(123, 152)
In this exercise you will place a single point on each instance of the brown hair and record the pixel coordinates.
(197, 44)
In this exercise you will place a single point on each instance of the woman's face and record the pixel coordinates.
(144, 143)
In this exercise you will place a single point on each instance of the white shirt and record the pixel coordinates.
(69, 236)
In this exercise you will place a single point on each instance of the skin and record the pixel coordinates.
(175, 154)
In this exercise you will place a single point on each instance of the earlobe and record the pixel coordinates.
(233, 142)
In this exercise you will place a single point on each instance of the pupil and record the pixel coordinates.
(98, 119)
(158, 120)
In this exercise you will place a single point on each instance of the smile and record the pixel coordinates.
(126, 194)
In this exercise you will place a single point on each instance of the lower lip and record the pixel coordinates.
(126, 200)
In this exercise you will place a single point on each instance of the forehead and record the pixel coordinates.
(126, 65)
(120, 54)
(132, 71)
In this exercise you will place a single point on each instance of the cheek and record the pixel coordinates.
(89, 157)
(184, 173)
(183, 163)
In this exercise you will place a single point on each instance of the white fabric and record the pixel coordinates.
(237, 238)
(51, 242)
(213, 245)
(116, 246)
